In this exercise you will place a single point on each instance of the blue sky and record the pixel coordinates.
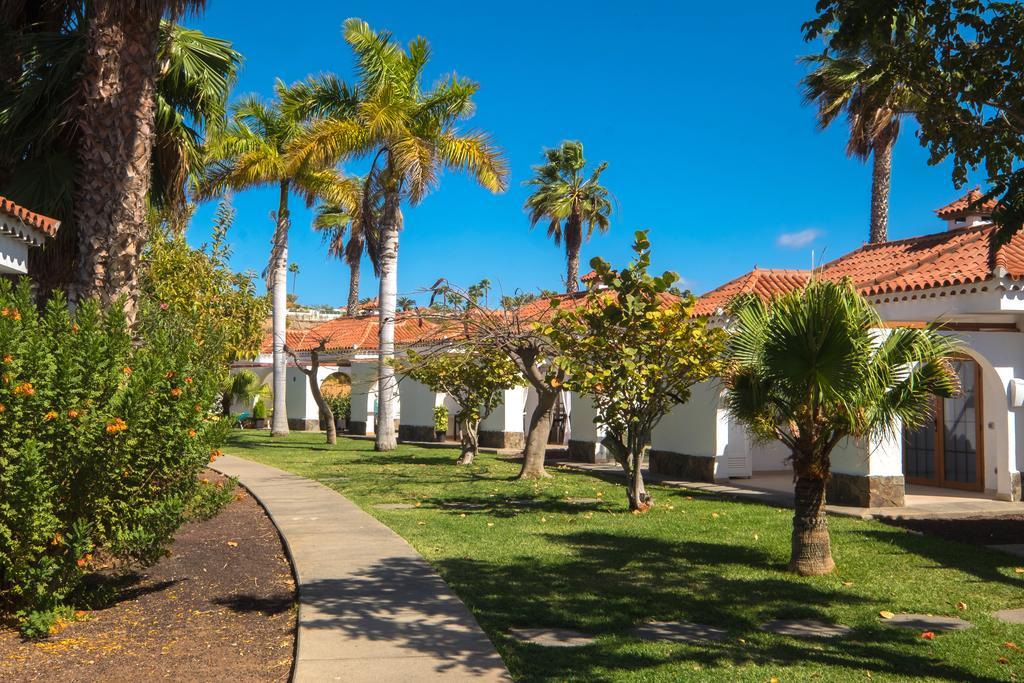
(696, 110)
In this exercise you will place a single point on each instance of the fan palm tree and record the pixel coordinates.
(874, 102)
(410, 134)
(569, 201)
(811, 368)
(406, 304)
(250, 152)
(38, 125)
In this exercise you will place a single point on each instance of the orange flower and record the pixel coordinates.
(52, 415)
(175, 392)
(57, 539)
(24, 389)
(75, 328)
(72, 414)
(928, 635)
(115, 426)
(8, 358)
(4, 313)
(214, 454)
(16, 314)
(188, 380)
(191, 433)
(199, 408)
(2, 407)
(84, 560)
(126, 370)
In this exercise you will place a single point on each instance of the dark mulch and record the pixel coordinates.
(213, 610)
(975, 530)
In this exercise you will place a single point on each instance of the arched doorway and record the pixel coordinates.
(337, 391)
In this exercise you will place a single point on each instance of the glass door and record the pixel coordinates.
(947, 451)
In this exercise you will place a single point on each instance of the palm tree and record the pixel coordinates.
(568, 201)
(410, 134)
(405, 304)
(874, 101)
(812, 368)
(38, 130)
(250, 152)
(293, 268)
(332, 220)
(116, 132)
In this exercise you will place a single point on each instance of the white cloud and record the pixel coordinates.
(801, 238)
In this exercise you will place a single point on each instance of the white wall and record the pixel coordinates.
(13, 255)
(364, 392)
(508, 416)
(418, 403)
(692, 428)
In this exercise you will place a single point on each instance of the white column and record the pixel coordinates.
(503, 428)
(364, 396)
(417, 417)
(585, 437)
(692, 440)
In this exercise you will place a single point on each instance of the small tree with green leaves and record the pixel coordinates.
(635, 349)
(476, 376)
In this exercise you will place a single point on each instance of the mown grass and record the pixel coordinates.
(522, 554)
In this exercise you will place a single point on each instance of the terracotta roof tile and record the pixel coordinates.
(30, 218)
(967, 204)
(346, 334)
(765, 283)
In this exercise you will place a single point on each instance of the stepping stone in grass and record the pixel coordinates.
(551, 637)
(394, 506)
(1011, 616)
(928, 622)
(678, 632)
(805, 628)
(583, 501)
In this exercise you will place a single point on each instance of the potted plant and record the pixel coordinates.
(259, 414)
(440, 423)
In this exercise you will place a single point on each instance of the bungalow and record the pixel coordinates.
(20, 230)
(960, 276)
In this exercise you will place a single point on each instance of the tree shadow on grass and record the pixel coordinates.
(611, 582)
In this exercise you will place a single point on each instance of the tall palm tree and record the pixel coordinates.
(38, 125)
(117, 128)
(293, 268)
(810, 369)
(251, 152)
(332, 221)
(569, 201)
(410, 134)
(874, 102)
(406, 304)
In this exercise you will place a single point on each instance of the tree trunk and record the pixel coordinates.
(537, 437)
(811, 553)
(116, 129)
(353, 289)
(386, 438)
(470, 441)
(325, 408)
(573, 242)
(631, 458)
(881, 178)
(279, 421)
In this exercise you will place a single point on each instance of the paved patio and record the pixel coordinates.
(776, 488)
(370, 607)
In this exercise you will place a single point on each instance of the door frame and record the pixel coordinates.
(939, 424)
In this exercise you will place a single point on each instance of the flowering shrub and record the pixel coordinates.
(102, 436)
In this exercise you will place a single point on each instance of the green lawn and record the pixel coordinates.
(519, 554)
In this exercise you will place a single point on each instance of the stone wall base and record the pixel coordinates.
(864, 491)
(586, 451)
(358, 428)
(681, 466)
(297, 425)
(502, 439)
(416, 433)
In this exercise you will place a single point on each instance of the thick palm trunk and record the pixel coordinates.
(811, 552)
(881, 179)
(353, 289)
(116, 128)
(386, 386)
(537, 437)
(573, 242)
(279, 421)
(470, 442)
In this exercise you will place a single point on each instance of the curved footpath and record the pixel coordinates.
(370, 607)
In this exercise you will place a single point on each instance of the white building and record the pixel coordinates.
(20, 230)
(976, 442)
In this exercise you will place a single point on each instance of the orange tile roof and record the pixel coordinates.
(944, 259)
(967, 203)
(345, 334)
(30, 218)
(764, 282)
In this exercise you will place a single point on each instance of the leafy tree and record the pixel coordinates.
(200, 283)
(814, 367)
(636, 350)
(568, 201)
(40, 135)
(251, 151)
(874, 100)
(410, 134)
(475, 376)
(964, 57)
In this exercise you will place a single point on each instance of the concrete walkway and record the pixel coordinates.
(370, 607)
